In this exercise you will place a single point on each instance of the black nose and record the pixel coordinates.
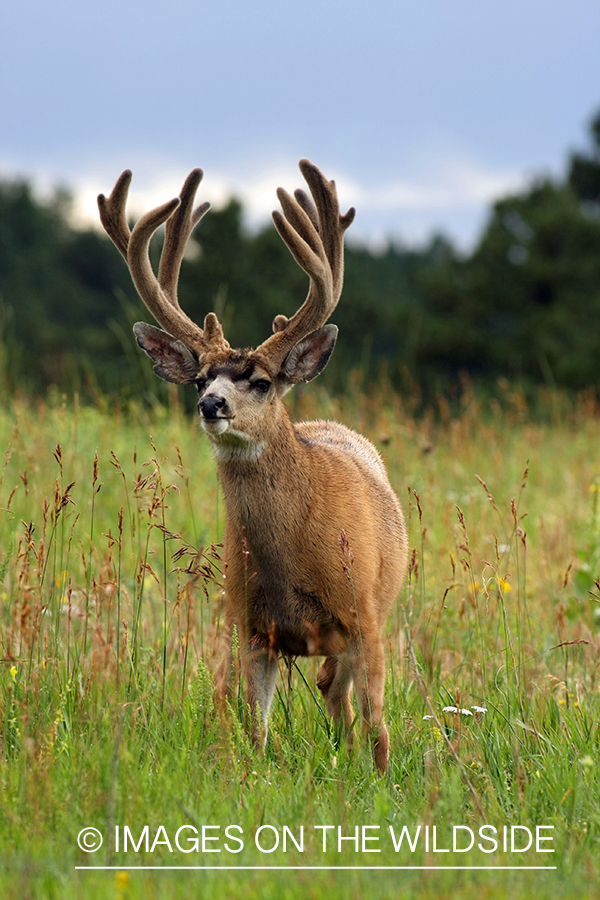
(211, 405)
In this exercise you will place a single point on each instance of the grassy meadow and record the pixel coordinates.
(110, 576)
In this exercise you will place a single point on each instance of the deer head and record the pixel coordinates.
(235, 386)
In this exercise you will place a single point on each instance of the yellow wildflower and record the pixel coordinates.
(121, 882)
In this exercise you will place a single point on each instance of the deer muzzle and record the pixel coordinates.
(214, 407)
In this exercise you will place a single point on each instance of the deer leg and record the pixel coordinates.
(368, 671)
(334, 680)
(261, 670)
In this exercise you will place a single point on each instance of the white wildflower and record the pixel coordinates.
(454, 709)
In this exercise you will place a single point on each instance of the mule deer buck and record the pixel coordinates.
(315, 546)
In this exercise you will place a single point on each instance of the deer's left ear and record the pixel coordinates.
(309, 356)
(174, 361)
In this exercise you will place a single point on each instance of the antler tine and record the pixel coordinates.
(332, 225)
(178, 230)
(313, 231)
(308, 206)
(160, 294)
(112, 213)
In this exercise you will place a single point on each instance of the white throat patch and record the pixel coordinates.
(232, 444)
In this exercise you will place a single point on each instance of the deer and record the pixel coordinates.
(315, 546)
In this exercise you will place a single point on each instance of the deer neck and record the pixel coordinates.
(267, 482)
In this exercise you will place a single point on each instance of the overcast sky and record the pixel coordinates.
(422, 110)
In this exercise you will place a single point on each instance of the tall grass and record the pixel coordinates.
(111, 610)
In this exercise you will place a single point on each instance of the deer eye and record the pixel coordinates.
(200, 384)
(262, 386)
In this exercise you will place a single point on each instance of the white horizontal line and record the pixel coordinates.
(297, 868)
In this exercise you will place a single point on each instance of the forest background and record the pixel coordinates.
(523, 305)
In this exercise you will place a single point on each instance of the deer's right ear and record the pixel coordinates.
(174, 360)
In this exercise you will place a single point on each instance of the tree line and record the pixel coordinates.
(523, 305)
